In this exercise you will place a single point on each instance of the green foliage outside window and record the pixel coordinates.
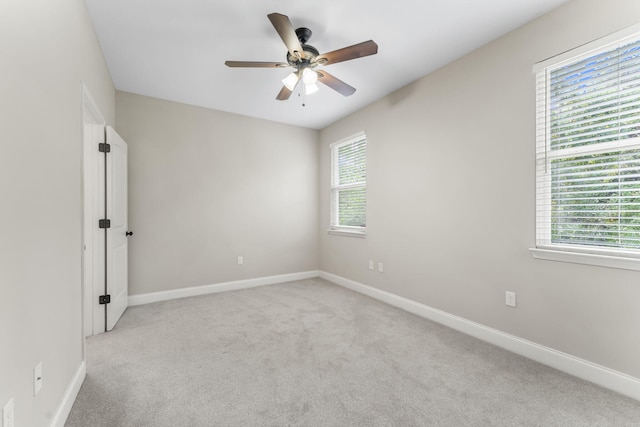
(595, 193)
(349, 184)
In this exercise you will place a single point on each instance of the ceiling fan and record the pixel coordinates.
(304, 59)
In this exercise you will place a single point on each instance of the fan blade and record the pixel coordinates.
(335, 83)
(284, 94)
(288, 35)
(346, 53)
(253, 64)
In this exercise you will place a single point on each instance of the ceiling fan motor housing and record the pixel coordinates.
(309, 53)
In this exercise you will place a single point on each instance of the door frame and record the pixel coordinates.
(93, 124)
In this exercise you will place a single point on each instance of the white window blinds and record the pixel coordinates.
(588, 149)
(348, 183)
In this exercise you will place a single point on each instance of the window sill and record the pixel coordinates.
(610, 259)
(348, 233)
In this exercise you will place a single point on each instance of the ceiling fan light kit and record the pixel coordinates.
(305, 58)
(309, 77)
(309, 89)
(291, 81)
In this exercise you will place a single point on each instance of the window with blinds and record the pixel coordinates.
(588, 150)
(349, 184)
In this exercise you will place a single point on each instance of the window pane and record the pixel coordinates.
(352, 207)
(352, 163)
(597, 99)
(595, 200)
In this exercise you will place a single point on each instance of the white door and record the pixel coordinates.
(117, 247)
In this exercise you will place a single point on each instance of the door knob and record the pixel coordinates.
(129, 233)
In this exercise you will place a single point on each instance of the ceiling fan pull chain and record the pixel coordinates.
(302, 91)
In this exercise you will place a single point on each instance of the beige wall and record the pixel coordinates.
(451, 196)
(47, 49)
(207, 186)
(451, 193)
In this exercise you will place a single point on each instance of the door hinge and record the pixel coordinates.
(104, 147)
(104, 299)
(104, 223)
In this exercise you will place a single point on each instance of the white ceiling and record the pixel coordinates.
(175, 49)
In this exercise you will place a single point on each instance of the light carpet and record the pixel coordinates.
(310, 353)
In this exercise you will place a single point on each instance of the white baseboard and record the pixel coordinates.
(70, 394)
(601, 375)
(218, 287)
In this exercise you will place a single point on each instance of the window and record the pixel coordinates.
(349, 185)
(588, 151)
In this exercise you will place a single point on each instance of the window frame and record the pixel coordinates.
(334, 228)
(574, 253)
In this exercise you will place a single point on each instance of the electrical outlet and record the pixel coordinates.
(240, 260)
(380, 267)
(37, 378)
(510, 298)
(7, 414)
(370, 265)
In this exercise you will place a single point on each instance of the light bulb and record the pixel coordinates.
(310, 88)
(290, 81)
(309, 76)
